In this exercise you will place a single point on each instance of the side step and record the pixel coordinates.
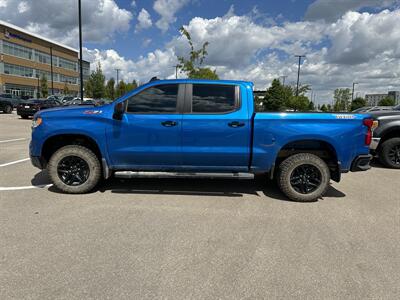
(143, 174)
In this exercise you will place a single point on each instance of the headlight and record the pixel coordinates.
(375, 124)
(36, 122)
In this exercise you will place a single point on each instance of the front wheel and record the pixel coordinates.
(303, 177)
(390, 153)
(74, 169)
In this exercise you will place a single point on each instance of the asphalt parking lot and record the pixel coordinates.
(193, 239)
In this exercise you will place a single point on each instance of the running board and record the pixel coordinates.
(143, 174)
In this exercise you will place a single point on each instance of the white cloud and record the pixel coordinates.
(331, 10)
(167, 10)
(58, 19)
(144, 20)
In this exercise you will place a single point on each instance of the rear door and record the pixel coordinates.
(216, 128)
(149, 135)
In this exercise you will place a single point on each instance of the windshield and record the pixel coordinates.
(33, 101)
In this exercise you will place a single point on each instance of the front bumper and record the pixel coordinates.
(361, 163)
(38, 162)
(374, 143)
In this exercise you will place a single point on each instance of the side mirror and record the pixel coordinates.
(119, 110)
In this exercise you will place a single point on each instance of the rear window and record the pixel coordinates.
(212, 98)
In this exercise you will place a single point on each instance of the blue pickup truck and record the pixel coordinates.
(198, 128)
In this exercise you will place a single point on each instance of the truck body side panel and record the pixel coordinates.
(272, 131)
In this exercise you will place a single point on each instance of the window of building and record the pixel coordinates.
(157, 99)
(42, 57)
(18, 70)
(212, 98)
(67, 64)
(68, 79)
(17, 50)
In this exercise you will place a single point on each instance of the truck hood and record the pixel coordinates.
(71, 111)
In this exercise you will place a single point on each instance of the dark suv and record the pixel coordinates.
(8, 102)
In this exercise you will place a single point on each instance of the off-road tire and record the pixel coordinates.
(83, 153)
(384, 152)
(286, 169)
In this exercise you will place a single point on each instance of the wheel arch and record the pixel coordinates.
(55, 142)
(321, 148)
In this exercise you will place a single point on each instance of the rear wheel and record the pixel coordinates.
(303, 177)
(74, 169)
(8, 109)
(390, 153)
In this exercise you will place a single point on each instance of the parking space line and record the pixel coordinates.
(28, 187)
(14, 162)
(13, 140)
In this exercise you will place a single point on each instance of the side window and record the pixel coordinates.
(157, 99)
(213, 98)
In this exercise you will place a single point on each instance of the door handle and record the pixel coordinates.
(236, 124)
(169, 123)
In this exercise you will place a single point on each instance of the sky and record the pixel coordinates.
(344, 41)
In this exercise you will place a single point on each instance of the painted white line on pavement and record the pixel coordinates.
(14, 162)
(28, 187)
(13, 140)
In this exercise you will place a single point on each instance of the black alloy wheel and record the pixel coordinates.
(305, 179)
(394, 155)
(73, 170)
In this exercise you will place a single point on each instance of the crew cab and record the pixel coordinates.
(386, 138)
(198, 128)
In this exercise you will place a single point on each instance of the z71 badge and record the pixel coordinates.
(345, 116)
(92, 112)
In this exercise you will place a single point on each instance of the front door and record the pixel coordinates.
(216, 129)
(149, 135)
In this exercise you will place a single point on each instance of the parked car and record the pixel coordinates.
(6, 105)
(386, 138)
(66, 99)
(6, 100)
(29, 107)
(54, 97)
(198, 128)
(73, 102)
(367, 109)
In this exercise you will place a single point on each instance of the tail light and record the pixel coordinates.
(368, 137)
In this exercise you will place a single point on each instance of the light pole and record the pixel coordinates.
(298, 73)
(352, 94)
(283, 79)
(51, 70)
(176, 71)
(80, 48)
(117, 74)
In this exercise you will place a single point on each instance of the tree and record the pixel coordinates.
(329, 107)
(342, 99)
(311, 106)
(274, 99)
(388, 101)
(66, 89)
(358, 103)
(94, 86)
(110, 89)
(43, 86)
(131, 86)
(120, 89)
(192, 66)
(324, 108)
(300, 102)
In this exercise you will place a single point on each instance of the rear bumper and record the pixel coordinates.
(27, 112)
(361, 163)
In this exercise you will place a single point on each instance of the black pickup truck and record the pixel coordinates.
(8, 102)
(386, 137)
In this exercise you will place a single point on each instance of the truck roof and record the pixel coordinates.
(203, 81)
